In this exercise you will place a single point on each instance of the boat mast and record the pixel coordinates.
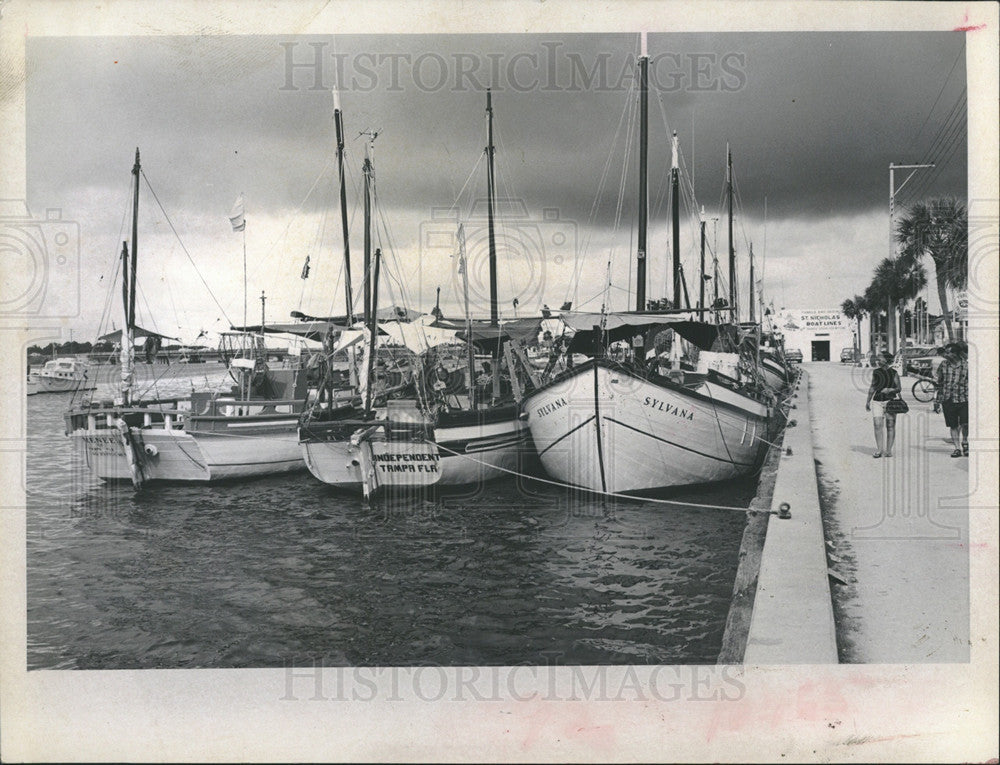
(490, 191)
(732, 251)
(128, 292)
(126, 352)
(135, 244)
(640, 277)
(715, 268)
(463, 268)
(751, 285)
(367, 172)
(701, 272)
(373, 337)
(675, 217)
(338, 120)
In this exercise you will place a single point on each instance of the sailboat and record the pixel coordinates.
(615, 425)
(479, 436)
(328, 428)
(207, 436)
(438, 437)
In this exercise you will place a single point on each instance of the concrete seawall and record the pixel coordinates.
(782, 611)
(894, 529)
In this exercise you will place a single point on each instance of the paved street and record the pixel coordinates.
(898, 528)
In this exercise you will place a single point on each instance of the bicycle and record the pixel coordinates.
(924, 390)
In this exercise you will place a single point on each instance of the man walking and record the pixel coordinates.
(953, 395)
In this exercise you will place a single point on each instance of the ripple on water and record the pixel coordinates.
(283, 569)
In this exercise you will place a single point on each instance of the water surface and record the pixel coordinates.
(285, 569)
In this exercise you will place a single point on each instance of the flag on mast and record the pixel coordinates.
(236, 217)
(461, 249)
(305, 269)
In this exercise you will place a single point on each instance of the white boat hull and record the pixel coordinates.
(334, 460)
(176, 455)
(774, 375)
(606, 430)
(466, 454)
(472, 454)
(65, 375)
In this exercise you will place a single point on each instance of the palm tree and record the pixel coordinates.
(895, 282)
(899, 281)
(913, 280)
(940, 229)
(856, 309)
(876, 301)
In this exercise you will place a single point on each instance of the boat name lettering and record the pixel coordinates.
(663, 406)
(405, 457)
(104, 445)
(407, 467)
(559, 403)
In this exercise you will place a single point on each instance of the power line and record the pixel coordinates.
(940, 92)
(950, 135)
(950, 138)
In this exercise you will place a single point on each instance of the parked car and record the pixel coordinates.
(924, 366)
(793, 355)
(847, 356)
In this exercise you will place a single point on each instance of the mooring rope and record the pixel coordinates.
(616, 495)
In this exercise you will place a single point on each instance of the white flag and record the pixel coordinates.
(236, 217)
(461, 249)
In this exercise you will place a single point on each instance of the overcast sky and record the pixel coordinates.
(813, 120)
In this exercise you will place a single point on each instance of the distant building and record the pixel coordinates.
(820, 334)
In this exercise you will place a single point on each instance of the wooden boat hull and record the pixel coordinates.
(774, 374)
(328, 452)
(605, 429)
(468, 448)
(178, 456)
(244, 449)
(477, 449)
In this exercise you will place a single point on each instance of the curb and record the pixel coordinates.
(792, 620)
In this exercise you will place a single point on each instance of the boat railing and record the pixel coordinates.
(235, 407)
(162, 404)
(106, 414)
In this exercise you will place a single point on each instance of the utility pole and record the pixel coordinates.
(890, 338)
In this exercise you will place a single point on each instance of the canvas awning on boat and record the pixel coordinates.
(310, 330)
(389, 313)
(348, 338)
(116, 335)
(417, 337)
(624, 326)
(490, 339)
(616, 327)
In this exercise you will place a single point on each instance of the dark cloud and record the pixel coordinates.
(813, 120)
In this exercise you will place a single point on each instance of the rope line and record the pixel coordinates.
(616, 495)
(188, 254)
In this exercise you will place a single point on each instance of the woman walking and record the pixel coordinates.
(885, 386)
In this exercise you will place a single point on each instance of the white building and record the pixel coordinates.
(820, 334)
